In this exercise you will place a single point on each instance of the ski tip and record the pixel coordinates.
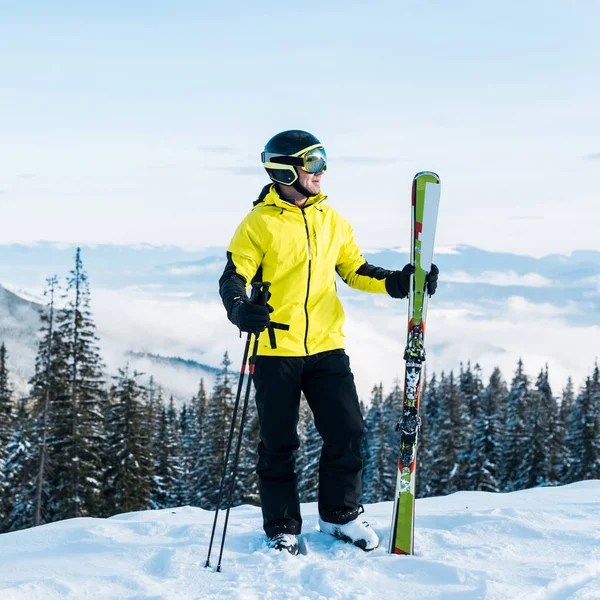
(435, 176)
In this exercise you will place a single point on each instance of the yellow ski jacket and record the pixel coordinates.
(299, 251)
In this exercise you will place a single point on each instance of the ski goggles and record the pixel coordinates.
(311, 160)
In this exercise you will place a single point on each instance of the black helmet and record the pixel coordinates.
(290, 149)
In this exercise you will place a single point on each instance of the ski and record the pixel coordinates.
(425, 200)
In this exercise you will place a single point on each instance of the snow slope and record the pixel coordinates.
(535, 544)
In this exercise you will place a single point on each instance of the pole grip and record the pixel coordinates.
(260, 292)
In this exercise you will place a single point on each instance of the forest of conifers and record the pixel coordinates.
(82, 444)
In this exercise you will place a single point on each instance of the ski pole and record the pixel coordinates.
(259, 295)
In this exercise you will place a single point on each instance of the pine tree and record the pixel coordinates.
(128, 463)
(567, 405)
(470, 408)
(77, 435)
(426, 483)
(48, 380)
(391, 411)
(374, 459)
(555, 449)
(194, 446)
(6, 427)
(19, 474)
(167, 471)
(445, 448)
(246, 488)
(218, 419)
(485, 449)
(593, 428)
(6, 401)
(584, 431)
(515, 439)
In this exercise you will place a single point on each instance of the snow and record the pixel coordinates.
(541, 544)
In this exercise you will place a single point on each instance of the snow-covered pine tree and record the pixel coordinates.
(246, 488)
(374, 458)
(178, 492)
(77, 435)
(535, 463)
(154, 403)
(515, 438)
(6, 427)
(555, 449)
(167, 471)
(218, 416)
(565, 413)
(444, 448)
(471, 391)
(430, 415)
(592, 468)
(19, 474)
(186, 421)
(48, 382)
(583, 437)
(485, 448)
(193, 446)
(6, 402)
(391, 411)
(128, 464)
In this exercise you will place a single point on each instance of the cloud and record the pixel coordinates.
(527, 218)
(500, 278)
(213, 267)
(369, 161)
(241, 171)
(594, 156)
(217, 149)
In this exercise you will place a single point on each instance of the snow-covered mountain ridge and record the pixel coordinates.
(537, 544)
(490, 308)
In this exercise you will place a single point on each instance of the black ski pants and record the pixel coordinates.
(328, 385)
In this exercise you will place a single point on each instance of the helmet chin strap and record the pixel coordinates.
(300, 188)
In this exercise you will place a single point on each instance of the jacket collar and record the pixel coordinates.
(270, 196)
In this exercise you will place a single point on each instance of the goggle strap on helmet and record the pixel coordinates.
(295, 161)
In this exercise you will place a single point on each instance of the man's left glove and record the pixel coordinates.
(397, 283)
(431, 280)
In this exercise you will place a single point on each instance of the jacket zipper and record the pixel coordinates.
(308, 283)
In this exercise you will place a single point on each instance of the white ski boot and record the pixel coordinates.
(284, 541)
(354, 532)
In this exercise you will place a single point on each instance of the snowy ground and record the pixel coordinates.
(535, 544)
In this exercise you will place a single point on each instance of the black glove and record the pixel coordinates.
(397, 283)
(249, 317)
(431, 280)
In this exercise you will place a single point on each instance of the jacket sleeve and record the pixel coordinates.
(244, 257)
(354, 269)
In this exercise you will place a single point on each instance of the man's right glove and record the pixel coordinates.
(249, 317)
(397, 283)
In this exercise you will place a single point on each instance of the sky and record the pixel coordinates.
(144, 121)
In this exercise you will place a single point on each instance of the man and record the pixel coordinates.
(298, 243)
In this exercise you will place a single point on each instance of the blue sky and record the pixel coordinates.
(136, 121)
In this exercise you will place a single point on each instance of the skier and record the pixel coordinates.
(295, 241)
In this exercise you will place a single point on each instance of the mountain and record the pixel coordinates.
(491, 308)
(19, 326)
(537, 543)
(19, 323)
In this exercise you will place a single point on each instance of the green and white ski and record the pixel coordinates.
(424, 207)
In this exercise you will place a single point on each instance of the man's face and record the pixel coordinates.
(311, 181)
